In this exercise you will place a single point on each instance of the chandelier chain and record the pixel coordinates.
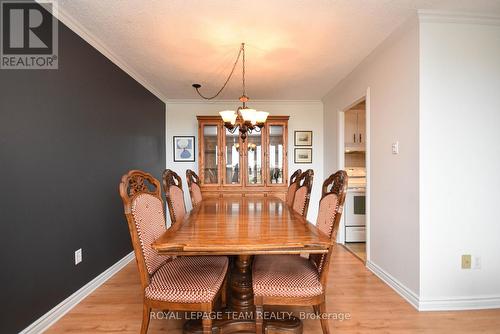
(244, 119)
(242, 50)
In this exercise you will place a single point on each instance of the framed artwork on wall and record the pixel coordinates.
(184, 149)
(303, 155)
(303, 138)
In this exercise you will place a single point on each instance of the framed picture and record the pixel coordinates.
(303, 155)
(184, 149)
(303, 138)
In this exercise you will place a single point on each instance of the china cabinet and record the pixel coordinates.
(229, 166)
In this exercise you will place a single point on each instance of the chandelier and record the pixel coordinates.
(245, 119)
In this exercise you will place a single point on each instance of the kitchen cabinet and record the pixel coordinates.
(361, 126)
(229, 166)
(355, 129)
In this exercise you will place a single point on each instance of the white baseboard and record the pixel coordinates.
(49, 318)
(396, 285)
(443, 304)
(459, 304)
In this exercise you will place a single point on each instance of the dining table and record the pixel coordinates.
(241, 228)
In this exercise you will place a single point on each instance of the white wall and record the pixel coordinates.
(460, 160)
(304, 115)
(391, 73)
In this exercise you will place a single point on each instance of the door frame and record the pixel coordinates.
(341, 162)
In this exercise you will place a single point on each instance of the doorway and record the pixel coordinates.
(353, 159)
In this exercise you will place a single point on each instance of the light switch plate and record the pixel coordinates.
(476, 263)
(395, 148)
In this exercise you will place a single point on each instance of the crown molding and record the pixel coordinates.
(198, 101)
(434, 16)
(95, 42)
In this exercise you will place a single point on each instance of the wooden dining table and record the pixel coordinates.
(242, 227)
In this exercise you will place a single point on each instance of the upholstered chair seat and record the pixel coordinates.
(186, 279)
(296, 280)
(285, 276)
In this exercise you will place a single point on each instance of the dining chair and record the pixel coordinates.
(295, 280)
(303, 192)
(181, 284)
(292, 187)
(172, 186)
(193, 182)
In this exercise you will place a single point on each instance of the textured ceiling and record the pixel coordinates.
(295, 49)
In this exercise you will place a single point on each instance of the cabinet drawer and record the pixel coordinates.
(254, 195)
(355, 234)
(281, 196)
(232, 195)
(210, 194)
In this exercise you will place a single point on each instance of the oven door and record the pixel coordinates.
(355, 208)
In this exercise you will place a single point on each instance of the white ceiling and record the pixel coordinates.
(296, 49)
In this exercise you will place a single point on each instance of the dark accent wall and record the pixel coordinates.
(66, 138)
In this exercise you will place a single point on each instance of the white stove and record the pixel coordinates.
(355, 205)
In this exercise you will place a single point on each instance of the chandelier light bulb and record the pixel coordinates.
(262, 116)
(228, 116)
(249, 115)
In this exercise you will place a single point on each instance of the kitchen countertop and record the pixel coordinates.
(356, 189)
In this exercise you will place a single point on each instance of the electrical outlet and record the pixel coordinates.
(466, 261)
(395, 148)
(78, 256)
(476, 263)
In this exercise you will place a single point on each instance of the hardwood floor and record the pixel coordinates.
(373, 307)
(358, 249)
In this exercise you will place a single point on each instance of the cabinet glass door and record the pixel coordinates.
(276, 154)
(254, 159)
(210, 149)
(232, 157)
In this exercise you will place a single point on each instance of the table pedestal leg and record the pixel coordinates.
(240, 285)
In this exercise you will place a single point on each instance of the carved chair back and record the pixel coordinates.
(143, 205)
(172, 186)
(292, 187)
(193, 182)
(331, 206)
(303, 192)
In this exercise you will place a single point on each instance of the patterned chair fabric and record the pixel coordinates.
(295, 276)
(193, 182)
(303, 192)
(149, 220)
(299, 202)
(290, 194)
(285, 276)
(178, 206)
(326, 213)
(196, 194)
(172, 186)
(195, 279)
(325, 221)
